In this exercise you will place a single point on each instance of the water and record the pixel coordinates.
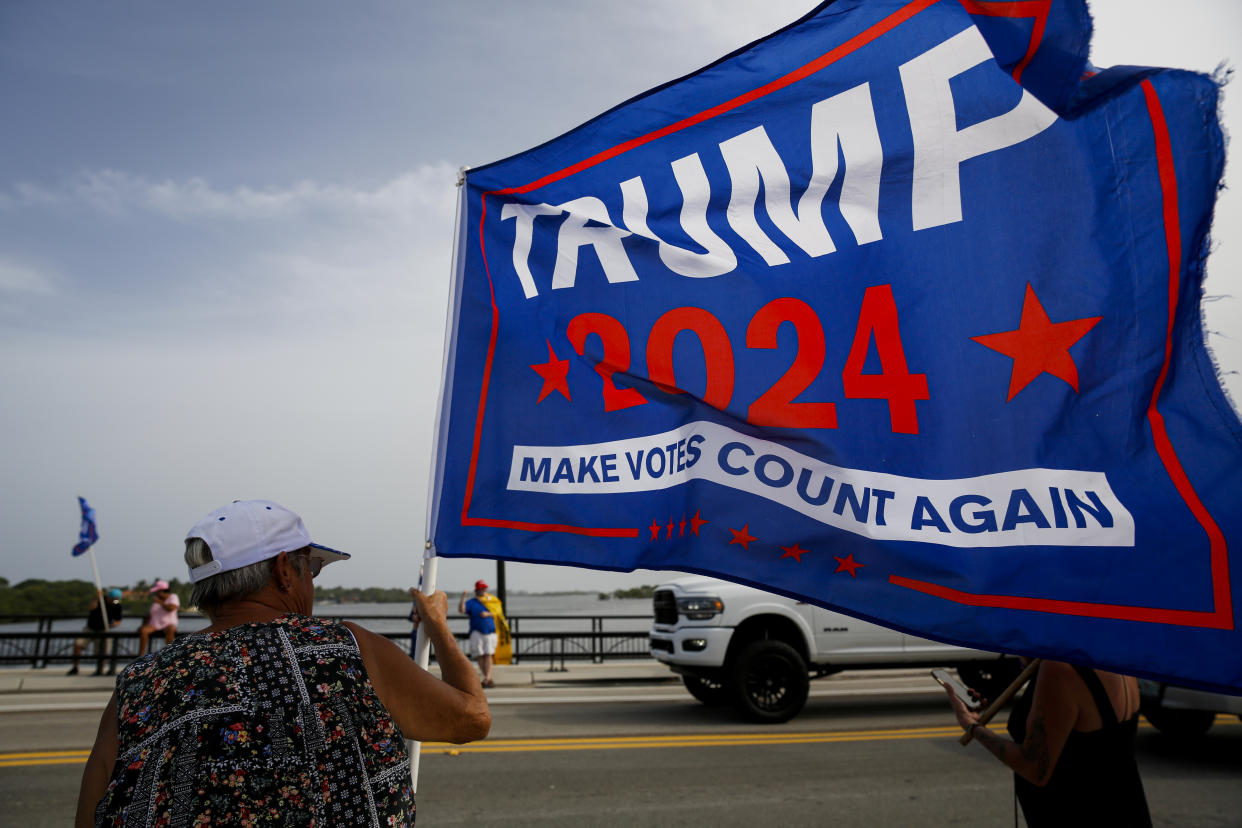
(578, 603)
(574, 604)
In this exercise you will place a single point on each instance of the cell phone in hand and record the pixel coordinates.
(946, 679)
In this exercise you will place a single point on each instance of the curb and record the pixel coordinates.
(53, 680)
(31, 681)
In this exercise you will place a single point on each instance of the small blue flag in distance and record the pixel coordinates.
(88, 534)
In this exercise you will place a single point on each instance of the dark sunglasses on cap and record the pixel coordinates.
(314, 564)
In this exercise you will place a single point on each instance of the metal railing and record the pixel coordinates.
(557, 638)
(597, 644)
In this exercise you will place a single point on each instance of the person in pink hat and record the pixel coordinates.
(161, 616)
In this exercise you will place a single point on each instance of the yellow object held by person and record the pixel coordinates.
(504, 642)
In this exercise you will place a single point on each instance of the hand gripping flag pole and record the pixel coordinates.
(1003, 699)
(422, 648)
(430, 563)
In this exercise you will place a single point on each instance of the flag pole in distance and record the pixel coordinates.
(87, 537)
(98, 581)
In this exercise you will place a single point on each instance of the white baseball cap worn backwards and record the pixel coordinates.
(248, 531)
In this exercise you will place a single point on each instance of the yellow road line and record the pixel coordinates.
(43, 757)
(45, 754)
(69, 757)
(709, 740)
(13, 760)
(691, 740)
(723, 736)
(78, 760)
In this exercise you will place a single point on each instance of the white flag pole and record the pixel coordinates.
(95, 567)
(430, 563)
(103, 646)
(422, 650)
(98, 583)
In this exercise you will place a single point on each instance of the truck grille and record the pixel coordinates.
(665, 606)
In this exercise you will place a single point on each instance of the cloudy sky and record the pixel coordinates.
(225, 232)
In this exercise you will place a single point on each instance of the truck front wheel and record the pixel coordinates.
(709, 692)
(769, 681)
(1184, 724)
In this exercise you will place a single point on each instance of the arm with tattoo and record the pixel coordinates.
(1053, 713)
(1030, 760)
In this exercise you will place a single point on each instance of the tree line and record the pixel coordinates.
(361, 595)
(644, 591)
(37, 596)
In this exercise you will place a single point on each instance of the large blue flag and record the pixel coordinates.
(88, 534)
(895, 311)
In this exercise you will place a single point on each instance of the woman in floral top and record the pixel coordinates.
(271, 716)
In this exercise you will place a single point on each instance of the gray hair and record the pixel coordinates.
(213, 592)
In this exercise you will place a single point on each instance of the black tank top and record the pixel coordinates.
(1096, 781)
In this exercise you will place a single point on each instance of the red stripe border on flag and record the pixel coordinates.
(1221, 617)
(1037, 9)
(850, 46)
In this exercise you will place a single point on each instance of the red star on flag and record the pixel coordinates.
(796, 552)
(742, 537)
(848, 564)
(1039, 345)
(555, 373)
(696, 522)
(655, 529)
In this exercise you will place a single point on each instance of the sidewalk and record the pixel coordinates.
(532, 674)
(526, 675)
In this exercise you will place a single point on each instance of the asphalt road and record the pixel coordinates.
(864, 753)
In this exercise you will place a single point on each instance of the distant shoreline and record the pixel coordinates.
(38, 597)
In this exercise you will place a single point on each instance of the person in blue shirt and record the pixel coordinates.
(483, 638)
(96, 625)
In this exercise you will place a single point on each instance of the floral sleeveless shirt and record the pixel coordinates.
(272, 724)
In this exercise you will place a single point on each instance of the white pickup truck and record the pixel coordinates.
(1181, 711)
(758, 651)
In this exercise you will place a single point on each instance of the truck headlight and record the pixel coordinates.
(700, 607)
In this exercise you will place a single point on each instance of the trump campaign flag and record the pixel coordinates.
(87, 535)
(895, 311)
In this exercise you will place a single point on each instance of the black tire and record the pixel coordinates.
(990, 678)
(711, 693)
(1182, 724)
(769, 682)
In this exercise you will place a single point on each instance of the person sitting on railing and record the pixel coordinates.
(162, 615)
(270, 715)
(95, 629)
